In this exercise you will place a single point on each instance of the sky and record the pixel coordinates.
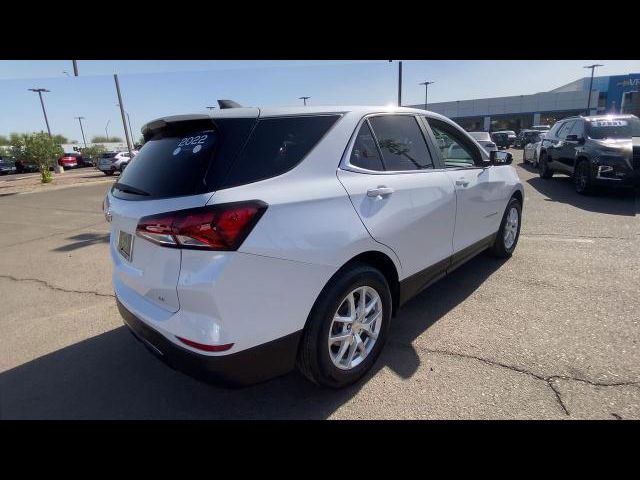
(152, 89)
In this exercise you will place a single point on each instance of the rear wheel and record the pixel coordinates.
(582, 178)
(509, 232)
(545, 171)
(347, 327)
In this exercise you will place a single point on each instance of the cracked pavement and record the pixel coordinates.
(552, 333)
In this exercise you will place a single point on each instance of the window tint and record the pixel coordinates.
(401, 142)
(565, 129)
(365, 153)
(554, 131)
(276, 146)
(457, 151)
(620, 127)
(170, 164)
(578, 129)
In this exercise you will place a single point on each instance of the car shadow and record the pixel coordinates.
(83, 240)
(110, 376)
(611, 201)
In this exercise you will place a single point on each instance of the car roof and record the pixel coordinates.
(251, 112)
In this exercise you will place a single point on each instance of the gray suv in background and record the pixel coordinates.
(111, 162)
(598, 150)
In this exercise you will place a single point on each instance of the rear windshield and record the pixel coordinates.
(109, 154)
(602, 129)
(202, 156)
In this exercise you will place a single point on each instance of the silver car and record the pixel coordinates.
(111, 162)
(484, 139)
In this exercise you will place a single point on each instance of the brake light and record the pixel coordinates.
(216, 227)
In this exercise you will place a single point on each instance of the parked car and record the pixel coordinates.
(72, 160)
(253, 240)
(594, 150)
(511, 137)
(525, 137)
(24, 167)
(484, 139)
(501, 139)
(111, 162)
(542, 128)
(7, 166)
(531, 153)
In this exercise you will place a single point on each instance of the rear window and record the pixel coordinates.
(108, 154)
(276, 146)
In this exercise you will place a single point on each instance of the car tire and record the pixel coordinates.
(317, 356)
(545, 171)
(509, 231)
(582, 180)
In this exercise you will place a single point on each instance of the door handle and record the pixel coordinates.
(381, 191)
(461, 182)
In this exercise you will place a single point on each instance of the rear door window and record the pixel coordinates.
(276, 146)
(401, 142)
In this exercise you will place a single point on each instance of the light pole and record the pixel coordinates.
(592, 67)
(426, 92)
(75, 67)
(399, 82)
(46, 120)
(304, 99)
(129, 121)
(82, 130)
(106, 131)
(126, 133)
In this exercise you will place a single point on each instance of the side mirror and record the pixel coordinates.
(497, 157)
(574, 138)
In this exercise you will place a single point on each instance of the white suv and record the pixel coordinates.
(249, 241)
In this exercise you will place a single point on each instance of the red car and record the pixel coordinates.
(71, 160)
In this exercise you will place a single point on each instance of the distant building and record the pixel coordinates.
(610, 94)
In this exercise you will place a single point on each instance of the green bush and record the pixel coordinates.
(39, 149)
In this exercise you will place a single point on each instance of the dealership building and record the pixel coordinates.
(610, 94)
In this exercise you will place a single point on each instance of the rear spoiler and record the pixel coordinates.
(228, 104)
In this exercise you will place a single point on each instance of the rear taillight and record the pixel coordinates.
(216, 227)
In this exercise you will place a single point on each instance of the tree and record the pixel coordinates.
(60, 139)
(4, 140)
(103, 139)
(37, 148)
(93, 152)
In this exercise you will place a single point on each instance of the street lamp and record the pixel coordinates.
(426, 92)
(82, 130)
(39, 91)
(399, 82)
(304, 99)
(592, 67)
(106, 131)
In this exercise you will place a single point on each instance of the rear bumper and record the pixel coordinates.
(246, 367)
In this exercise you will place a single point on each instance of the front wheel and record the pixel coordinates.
(347, 327)
(582, 178)
(509, 232)
(545, 171)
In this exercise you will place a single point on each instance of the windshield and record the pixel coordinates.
(481, 136)
(602, 129)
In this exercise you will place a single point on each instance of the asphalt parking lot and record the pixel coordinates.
(552, 333)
